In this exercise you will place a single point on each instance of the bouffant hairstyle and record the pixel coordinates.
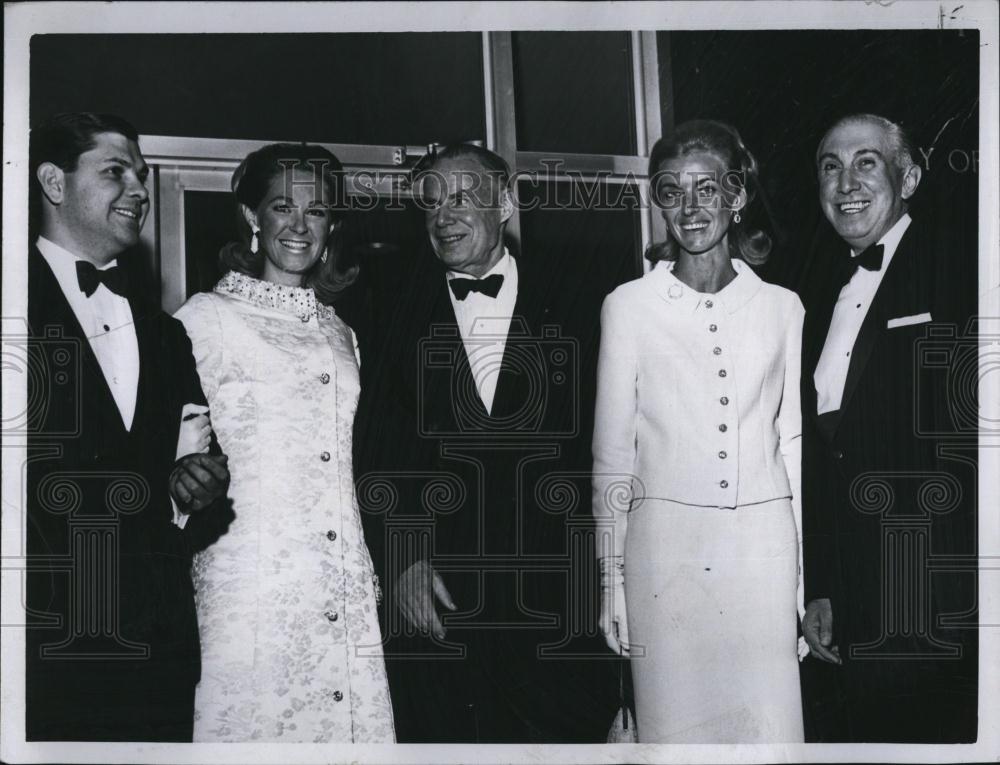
(748, 238)
(250, 185)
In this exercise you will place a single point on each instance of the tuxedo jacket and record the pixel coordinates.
(112, 637)
(496, 502)
(889, 505)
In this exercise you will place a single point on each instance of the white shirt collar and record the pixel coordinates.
(890, 239)
(51, 250)
(63, 264)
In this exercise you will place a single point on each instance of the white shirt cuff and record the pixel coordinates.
(180, 519)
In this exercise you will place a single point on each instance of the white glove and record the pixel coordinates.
(614, 620)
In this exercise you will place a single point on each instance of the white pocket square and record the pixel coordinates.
(905, 321)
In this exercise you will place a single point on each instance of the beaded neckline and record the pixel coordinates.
(299, 301)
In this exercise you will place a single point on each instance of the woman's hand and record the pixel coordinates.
(614, 620)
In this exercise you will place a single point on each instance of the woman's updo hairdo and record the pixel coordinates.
(747, 238)
(250, 184)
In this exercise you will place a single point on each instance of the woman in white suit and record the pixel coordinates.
(697, 461)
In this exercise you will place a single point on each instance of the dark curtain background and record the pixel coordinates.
(783, 89)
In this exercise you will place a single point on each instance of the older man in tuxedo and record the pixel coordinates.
(468, 402)
(119, 461)
(888, 481)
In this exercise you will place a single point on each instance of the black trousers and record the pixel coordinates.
(107, 701)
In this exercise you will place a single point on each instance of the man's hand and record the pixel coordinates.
(817, 627)
(197, 480)
(414, 595)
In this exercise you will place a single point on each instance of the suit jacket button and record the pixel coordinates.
(838, 454)
(324, 378)
(331, 535)
(338, 696)
(325, 456)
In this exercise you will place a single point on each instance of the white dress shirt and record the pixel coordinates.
(106, 320)
(484, 323)
(848, 315)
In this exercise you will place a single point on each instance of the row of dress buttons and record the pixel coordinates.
(325, 379)
(724, 400)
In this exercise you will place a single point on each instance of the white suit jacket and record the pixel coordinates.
(698, 394)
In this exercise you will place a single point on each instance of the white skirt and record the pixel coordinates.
(711, 598)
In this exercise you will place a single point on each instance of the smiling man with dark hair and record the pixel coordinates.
(120, 443)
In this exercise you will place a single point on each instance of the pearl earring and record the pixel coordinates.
(736, 217)
(254, 244)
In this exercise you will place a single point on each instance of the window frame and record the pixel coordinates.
(181, 164)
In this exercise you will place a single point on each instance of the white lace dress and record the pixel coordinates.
(291, 648)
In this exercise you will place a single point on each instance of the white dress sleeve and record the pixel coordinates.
(200, 317)
(790, 424)
(614, 445)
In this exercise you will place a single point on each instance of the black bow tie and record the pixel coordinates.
(870, 258)
(90, 277)
(489, 286)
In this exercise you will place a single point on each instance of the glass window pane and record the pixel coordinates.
(577, 251)
(782, 89)
(209, 223)
(573, 92)
(337, 88)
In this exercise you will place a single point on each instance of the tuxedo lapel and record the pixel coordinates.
(149, 354)
(449, 389)
(53, 309)
(894, 285)
(520, 355)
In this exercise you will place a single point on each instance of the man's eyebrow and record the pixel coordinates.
(114, 159)
(827, 155)
(118, 160)
(876, 152)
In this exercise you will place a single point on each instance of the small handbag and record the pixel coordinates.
(623, 729)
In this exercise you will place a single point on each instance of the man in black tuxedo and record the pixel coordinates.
(113, 472)
(471, 508)
(888, 475)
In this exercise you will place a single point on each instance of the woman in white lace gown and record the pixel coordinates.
(291, 647)
(696, 461)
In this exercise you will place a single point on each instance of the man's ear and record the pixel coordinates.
(911, 179)
(506, 205)
(249, 216)
(52, 179)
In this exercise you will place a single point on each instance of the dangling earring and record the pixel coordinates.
(254, 244)
(736, 217)
(322, 258)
